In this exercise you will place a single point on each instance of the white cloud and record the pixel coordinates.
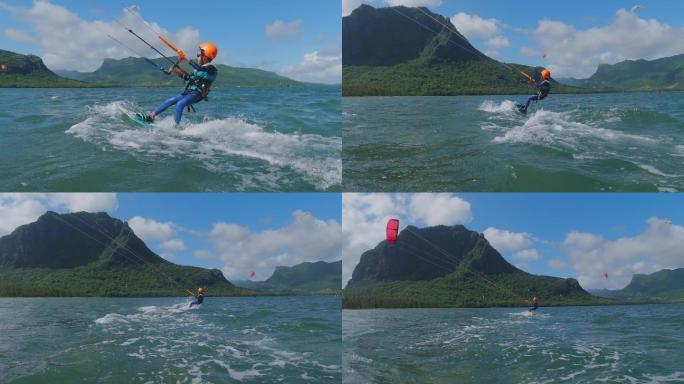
(440, 208)
(18, 36)
(474, 26)
(203, 254)
(498, 42)
(68, 42)
(348, 6)
(365, 215)
(527, 255)
(317, 67)
(658, 247)
(89, 202)
(176, 245)
(23, 208)
(306, 238)
(577, 53)
(527, 51)
(282, 30)
(507, 241)
(557, 264)
(150, 229)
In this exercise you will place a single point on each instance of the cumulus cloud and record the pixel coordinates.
(577, 53)
(317, 67)
(348, 6)
(150, 229)
(176, 245)
(557, 264)
(507, 241)
(658, 247)
(283, 30)
(472, 26)
(89, 202)
(18, 36)
(23, 208)
(365, 215)
(305, 238)
(439, 208)
(68, 42)
(527, 255)
(498, 42)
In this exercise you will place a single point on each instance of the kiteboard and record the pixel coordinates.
(135, 117)
(521, 108)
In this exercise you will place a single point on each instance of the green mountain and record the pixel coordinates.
(447, 266)
(400, 51)
(666, 74)
(667, 284)
(93, 254)
(305, 278)
(136, 72)
(29, 71)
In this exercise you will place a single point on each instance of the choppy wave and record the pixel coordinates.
(222, 145)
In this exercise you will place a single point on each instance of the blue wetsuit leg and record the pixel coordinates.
(186, 100)
(167, 104)
(529, 100)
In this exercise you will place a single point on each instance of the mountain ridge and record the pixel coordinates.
(93, 254)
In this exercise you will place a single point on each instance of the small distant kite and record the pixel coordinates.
(392, 230)
(252, 275)
(605, 275)
(4, 67)
(545, 55)
(635, 8)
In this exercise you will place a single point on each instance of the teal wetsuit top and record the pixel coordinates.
(200, 81)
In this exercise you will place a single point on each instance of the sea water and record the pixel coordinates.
(242, 139)
(598, 142)
(605, 344)
(161, 340)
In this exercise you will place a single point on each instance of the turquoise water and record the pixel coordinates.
(619, 344)
(160, 340)
(603, 142)
(243, 139)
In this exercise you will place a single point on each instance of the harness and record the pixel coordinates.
(202, 85)
(544, 89)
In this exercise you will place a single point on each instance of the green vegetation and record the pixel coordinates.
(30, 72)
(319, 278)
(92, 254)
(385, 53)
(99, 281)
(446, 266)
(136, 72)
(665, 285)
(666, 74)
(444, 79)
(466, 291)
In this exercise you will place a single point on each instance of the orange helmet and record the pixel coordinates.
(208, 50)
(545, 74)
(200, 290)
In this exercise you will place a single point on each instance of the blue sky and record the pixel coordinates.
(236, 233)
(576, 36)
(303, 40)
(568, 235)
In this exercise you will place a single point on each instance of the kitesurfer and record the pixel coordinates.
(199, 298)
(543, 90)
(197, 88)
(535, 303)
